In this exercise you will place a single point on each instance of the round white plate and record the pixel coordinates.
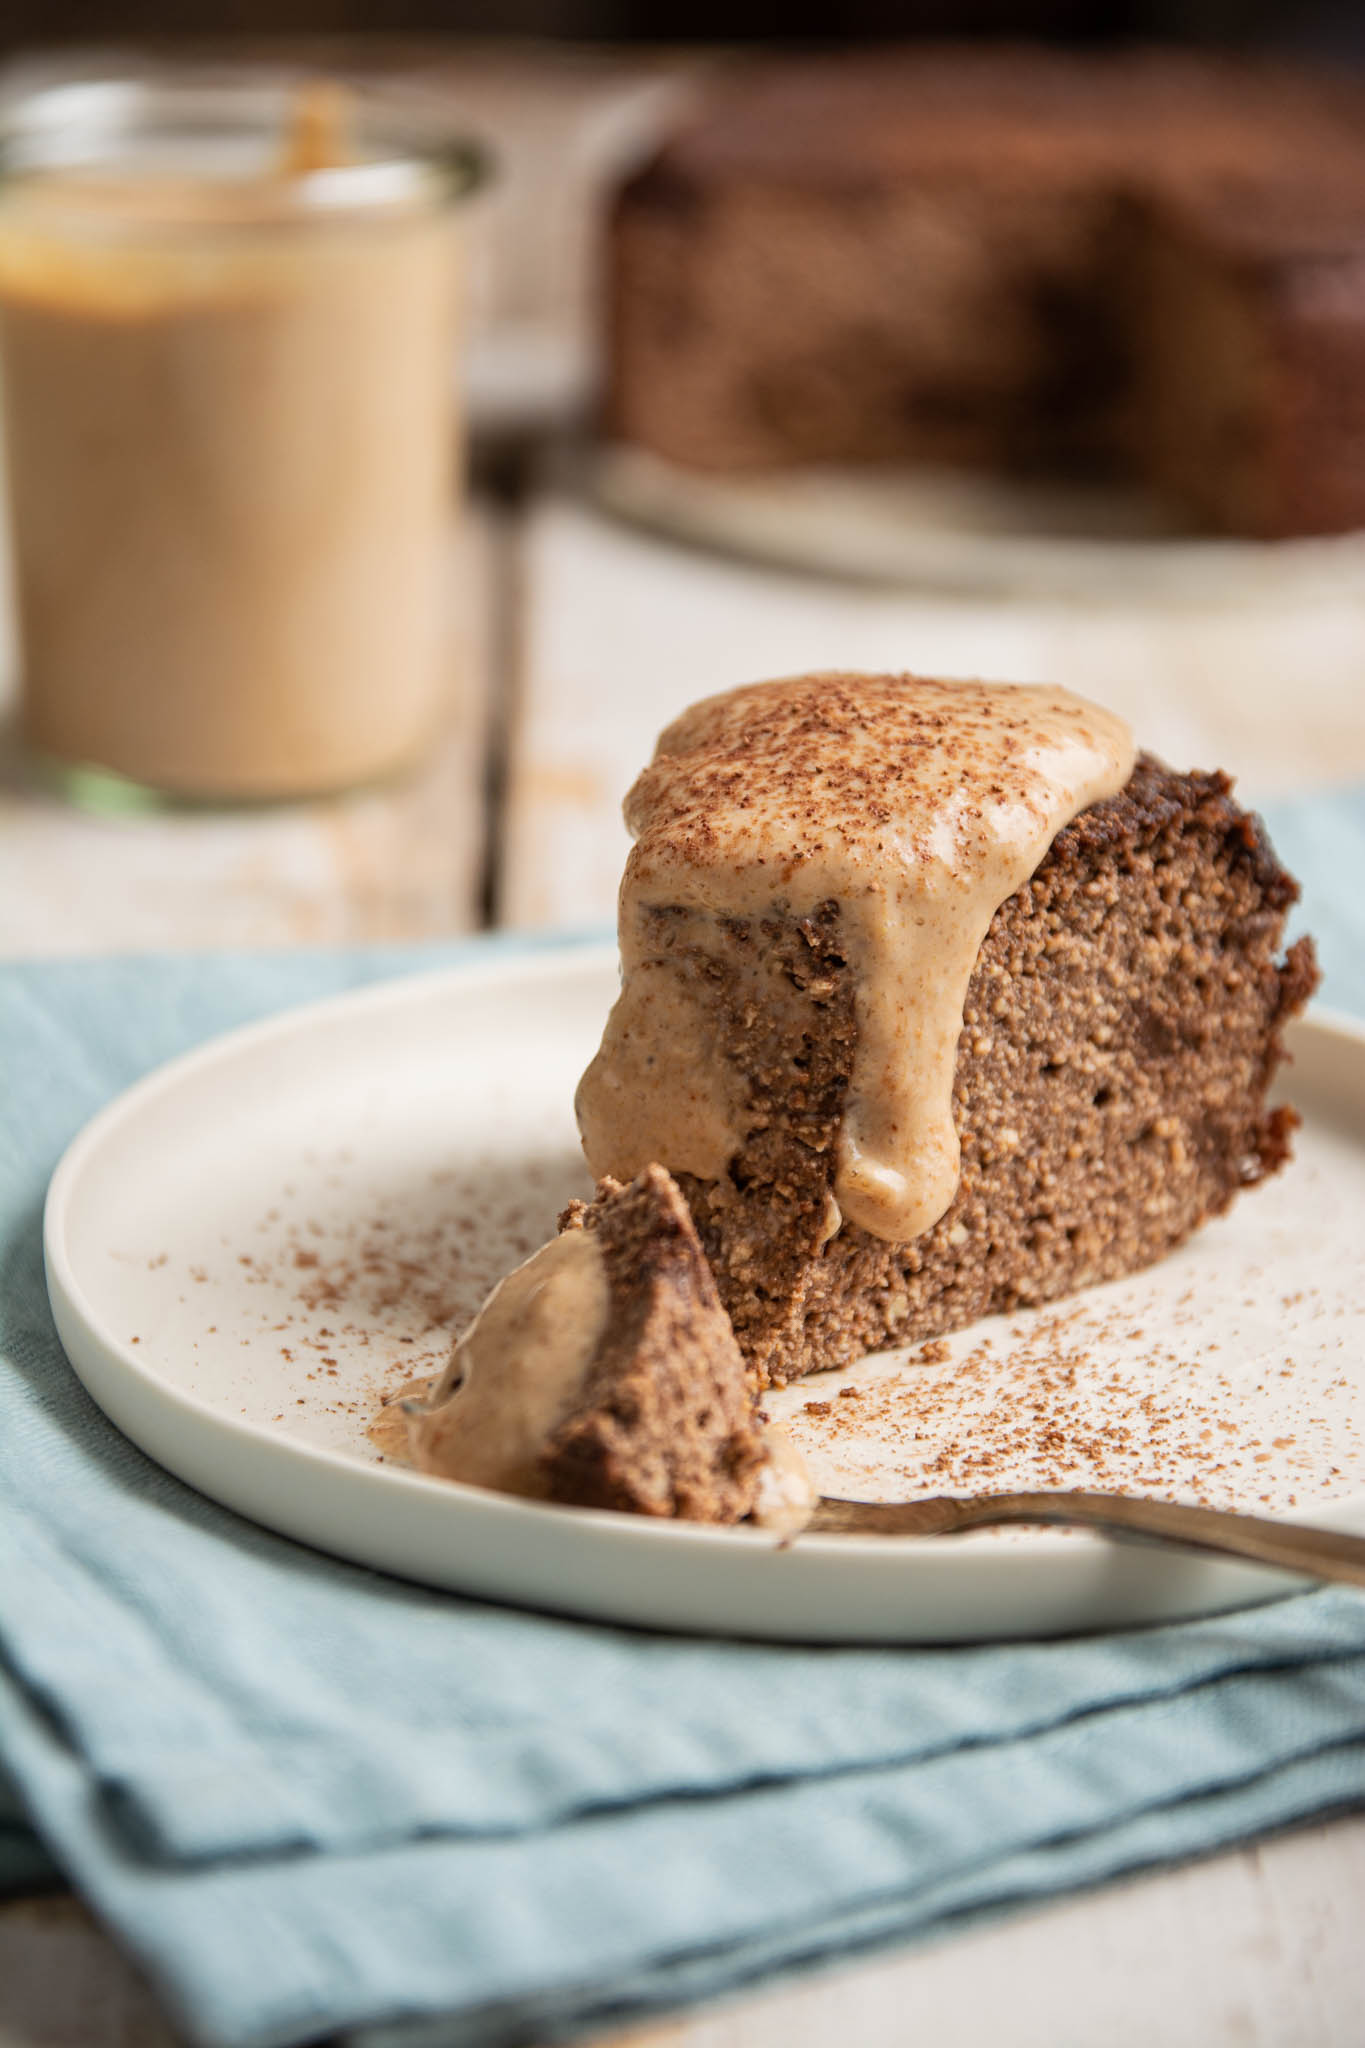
(250, 1248)
(960, 530)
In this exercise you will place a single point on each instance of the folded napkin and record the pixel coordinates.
(309, 1797)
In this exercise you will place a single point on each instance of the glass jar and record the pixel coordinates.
(228, 330)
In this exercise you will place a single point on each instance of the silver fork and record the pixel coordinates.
(1292, 1546)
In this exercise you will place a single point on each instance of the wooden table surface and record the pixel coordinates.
(575, 639)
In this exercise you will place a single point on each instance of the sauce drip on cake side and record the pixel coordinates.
(917, 805)
(517, 1372)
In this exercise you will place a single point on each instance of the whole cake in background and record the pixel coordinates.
(1145, 264)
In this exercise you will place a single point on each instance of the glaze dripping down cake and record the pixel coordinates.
(937, 1000)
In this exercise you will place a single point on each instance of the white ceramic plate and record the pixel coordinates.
(250, 1248)
(957, 530)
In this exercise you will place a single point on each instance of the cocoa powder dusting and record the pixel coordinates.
(353, 1290)
(1079, 1398)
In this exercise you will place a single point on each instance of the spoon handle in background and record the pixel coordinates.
(1260, 1539)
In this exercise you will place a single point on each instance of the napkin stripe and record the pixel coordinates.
(500, 1922)
(189, 1780)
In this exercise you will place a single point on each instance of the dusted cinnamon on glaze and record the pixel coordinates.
(917, 805)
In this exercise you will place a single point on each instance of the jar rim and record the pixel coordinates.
(413, 151)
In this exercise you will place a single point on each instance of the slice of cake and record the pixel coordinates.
(604, 1372)
(936, 1002)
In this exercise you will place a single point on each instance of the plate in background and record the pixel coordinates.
(961, 531)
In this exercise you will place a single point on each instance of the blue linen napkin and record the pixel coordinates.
(307, 1796)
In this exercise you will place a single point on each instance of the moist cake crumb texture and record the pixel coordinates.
(666, 1424)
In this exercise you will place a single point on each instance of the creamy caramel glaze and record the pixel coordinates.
(918, 806)
(517, 1372)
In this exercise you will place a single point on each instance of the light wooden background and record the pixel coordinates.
(574, 638)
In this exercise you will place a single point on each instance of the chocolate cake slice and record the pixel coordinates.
(1120, 1025)
(604, 1372)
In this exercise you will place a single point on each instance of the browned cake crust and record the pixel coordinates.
(931, 258)
(668, 1425)
(1121, 1029)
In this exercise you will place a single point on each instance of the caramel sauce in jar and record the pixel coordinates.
(230, 417)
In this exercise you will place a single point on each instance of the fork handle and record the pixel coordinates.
(1292, 1546)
